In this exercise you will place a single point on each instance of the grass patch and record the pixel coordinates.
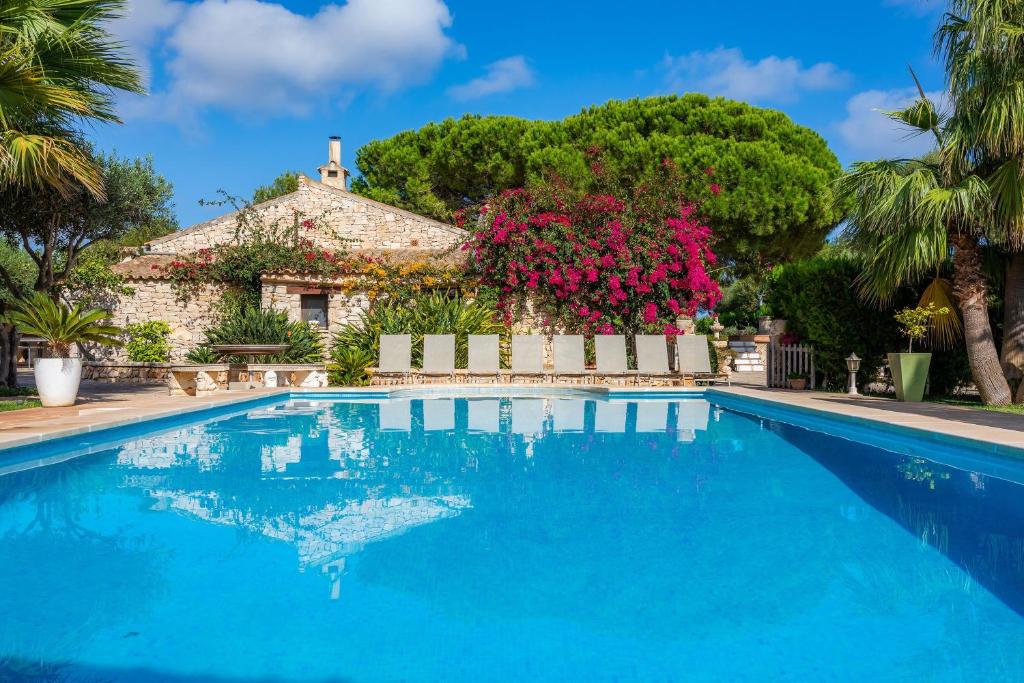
(1017, 409)
(6, 406)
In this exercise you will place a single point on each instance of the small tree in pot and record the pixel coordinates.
(57, 377)
(910, 370)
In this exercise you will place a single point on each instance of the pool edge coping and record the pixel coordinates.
(1012, 450)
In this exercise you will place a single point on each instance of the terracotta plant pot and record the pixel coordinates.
(909, 375)
(798, 384)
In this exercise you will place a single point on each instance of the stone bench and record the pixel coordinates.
(197, 380)
(308, 375)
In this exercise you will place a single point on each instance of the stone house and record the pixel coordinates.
(345, 221)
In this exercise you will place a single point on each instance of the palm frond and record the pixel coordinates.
(946, 329)
(60, 325)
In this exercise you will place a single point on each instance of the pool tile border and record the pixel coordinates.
(994, 441)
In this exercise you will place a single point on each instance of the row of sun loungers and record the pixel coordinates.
(692, 360)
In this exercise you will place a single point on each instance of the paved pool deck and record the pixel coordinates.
(110, 405)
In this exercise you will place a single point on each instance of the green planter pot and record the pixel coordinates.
(909, 374)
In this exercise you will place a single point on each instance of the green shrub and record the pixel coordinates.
(147, 342)
(428, 314)
(349, 368)
(248, 325)
(819, 300)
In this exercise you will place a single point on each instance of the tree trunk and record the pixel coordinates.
(1013, 325)
(8, 356)
(971, 290)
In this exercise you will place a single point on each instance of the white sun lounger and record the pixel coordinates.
(652, 356)
(439, 356)
(610, 350)
(568, 355)
(695, 359)
(527, 355)
(395, 356)
(484, 356)
(438, 414)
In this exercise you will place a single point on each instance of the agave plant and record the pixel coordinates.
(60, 325)
(349, 367)
(202, 355)
(249, 325)
(429, 314)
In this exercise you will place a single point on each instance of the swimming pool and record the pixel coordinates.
(488, 538)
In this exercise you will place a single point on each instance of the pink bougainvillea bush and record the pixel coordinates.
(616, 261)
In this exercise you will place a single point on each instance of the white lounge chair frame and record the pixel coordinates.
(484, 356)
(652, 357)
(610, 352)
(439, 356)
(395, 356)
(695, 360)
(569, 357)
(527, 355)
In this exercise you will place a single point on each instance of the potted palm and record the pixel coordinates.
(910, 370)
(58, 377)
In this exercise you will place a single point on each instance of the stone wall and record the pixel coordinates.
(158, 300)
(351, 222)
(342, 308)
(126, 372)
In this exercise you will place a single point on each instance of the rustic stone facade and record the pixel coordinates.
(158, 300)
(343, 221)
(348, 221)
(286, 295)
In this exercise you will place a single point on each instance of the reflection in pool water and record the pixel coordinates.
(508, 538)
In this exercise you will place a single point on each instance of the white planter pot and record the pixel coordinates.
(57, 380)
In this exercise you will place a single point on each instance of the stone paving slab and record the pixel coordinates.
(987, 427)
(102, 406)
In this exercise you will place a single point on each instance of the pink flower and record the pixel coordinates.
(716, 189)
(606, 329)
(650, 312)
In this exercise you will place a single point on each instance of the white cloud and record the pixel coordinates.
(870, 134)
(143, 24)
(725, 72)
(260, 57)
(501, 76)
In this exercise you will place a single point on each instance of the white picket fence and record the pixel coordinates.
(783, 360)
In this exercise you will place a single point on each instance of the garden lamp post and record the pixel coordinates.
(853, 365)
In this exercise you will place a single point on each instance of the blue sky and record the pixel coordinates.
(241, 90)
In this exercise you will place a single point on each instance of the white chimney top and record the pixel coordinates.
(333, 173)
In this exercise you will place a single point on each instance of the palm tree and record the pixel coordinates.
(60, 326)
(58, 67)
(909, 216)
(982, 43)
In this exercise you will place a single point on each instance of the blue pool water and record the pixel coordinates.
(484, 539)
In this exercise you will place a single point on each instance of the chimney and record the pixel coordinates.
(334, 149)
(333, 173)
